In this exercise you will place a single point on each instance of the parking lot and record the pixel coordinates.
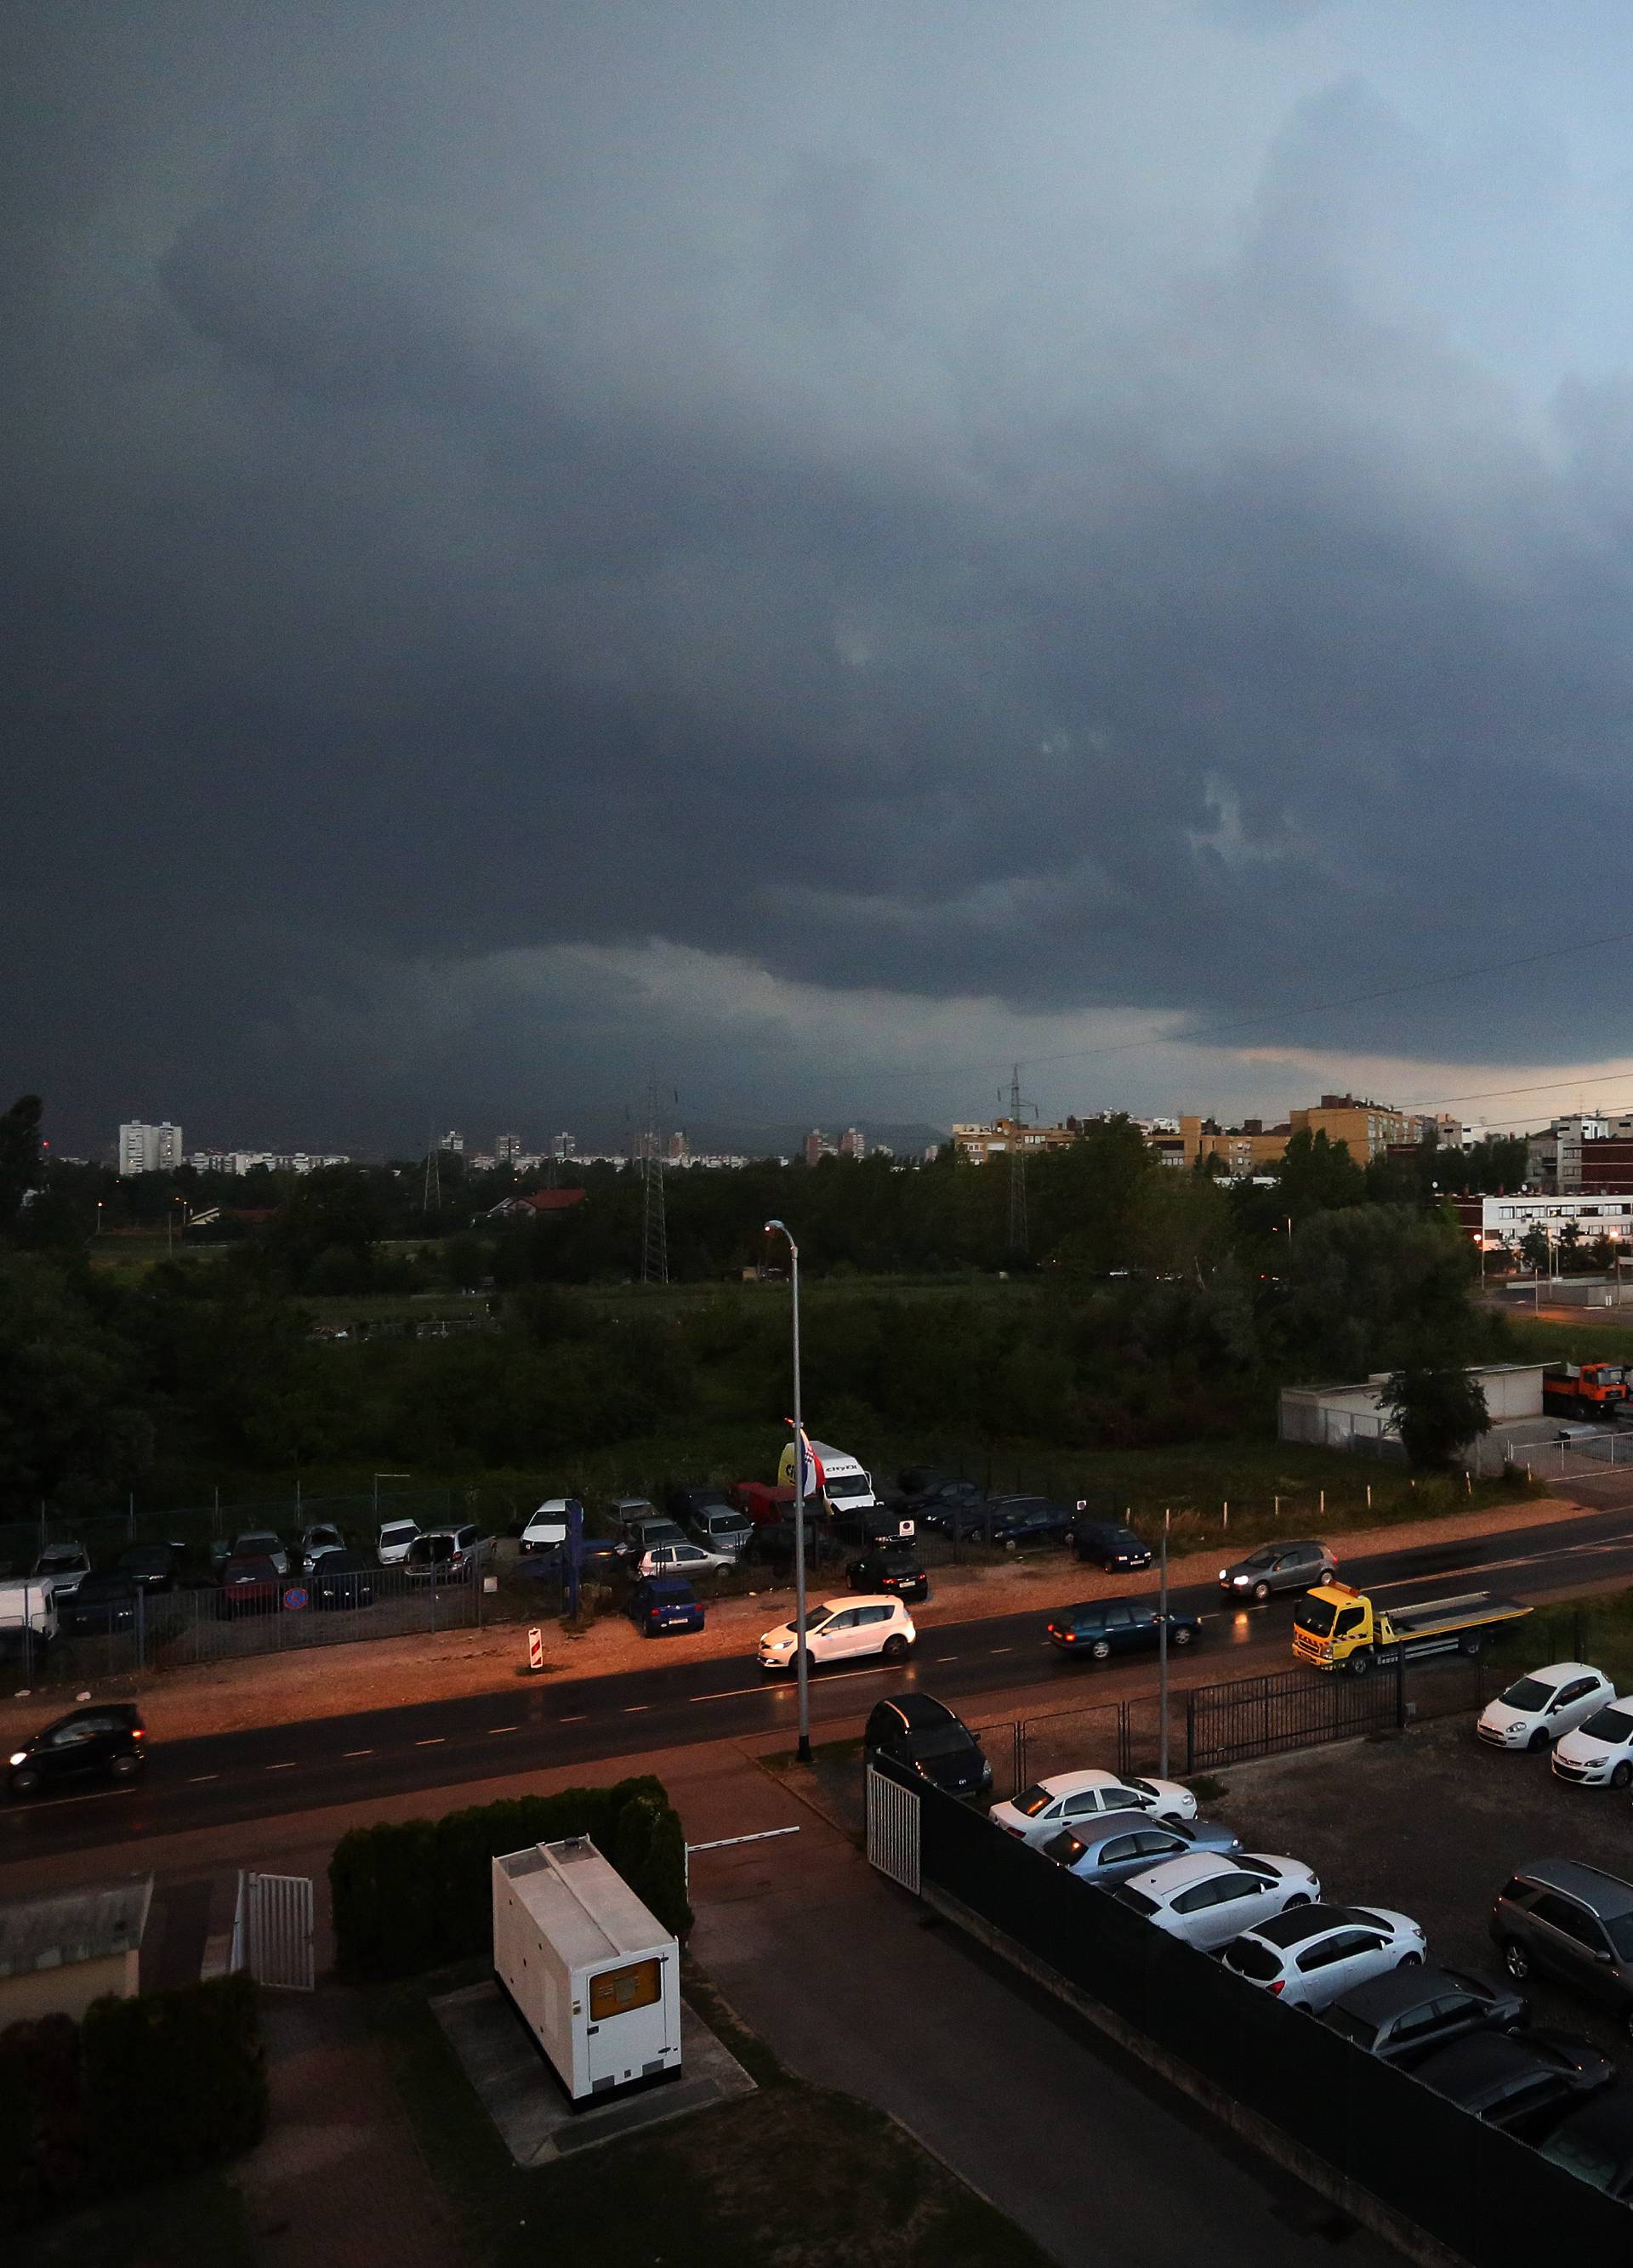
(1433, 1823)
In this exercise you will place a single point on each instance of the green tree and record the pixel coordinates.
(1437, 1411)
(1375, 1287)
(19, 1156)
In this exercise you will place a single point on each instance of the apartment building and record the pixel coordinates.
(1369, 1128)
(145, 1149)
(1589, 1151)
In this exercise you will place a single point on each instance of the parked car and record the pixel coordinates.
(391, 1545)
(1207, 1899)
(1545, 1705)
(343, 1579)
(1313, 1956)
(1279, 1567)
(545, 1529)
(249, 1586)
(62, 1566)
(1100, 1628)
(1599, 1753)
(690, 1561)
(873, 1526)
(709, 1517)
(321, 1537)
(761, 1501)
(1015, 1520)
(107, 1738)
(1413, 2012)
(1523, 2086)
(151, 1566)
(1118, 1843)
(663, 1606)
(895, 1569)
(925, 1735)
(936, 1497)
(1572, 1922)
(1075, 1797)
(1596, 2144)
(625, 1511)
(840, 1629)
(448, 1555)
(1107, 1543)
(774, 1544)
(262, 1543)
(639, 1534)
(101, 1604)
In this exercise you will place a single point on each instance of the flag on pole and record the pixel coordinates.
(810, 1479)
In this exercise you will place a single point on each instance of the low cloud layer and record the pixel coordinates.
(809, 547)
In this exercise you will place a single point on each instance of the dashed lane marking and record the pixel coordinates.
(356, 1752)
(637, 1708)
(505, 1728)
(580, 1719)
(198, 1779)
(435, 1741)
(288, 1767)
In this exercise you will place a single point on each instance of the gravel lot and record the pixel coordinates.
(1433, 1823)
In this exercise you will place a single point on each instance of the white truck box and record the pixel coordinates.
(26, 1605)
(844, 1479)
(593, 1973)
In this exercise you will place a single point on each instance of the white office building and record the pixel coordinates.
(149, 1149)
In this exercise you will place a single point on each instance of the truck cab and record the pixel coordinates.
(1338, 1628)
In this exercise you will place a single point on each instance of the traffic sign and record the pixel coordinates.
(294, 1597)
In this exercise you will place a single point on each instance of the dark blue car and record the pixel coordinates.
(663, 1605)
(1103, 1627)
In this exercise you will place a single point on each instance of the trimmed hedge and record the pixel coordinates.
(142, 2091)
(411, 1897)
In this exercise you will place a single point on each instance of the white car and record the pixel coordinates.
(62, 1567)
(839, 1627)
(687, 1559)
(547, 1529)
(1208, 1900)
(1072, 1799)
(1315, 1955)
(1599, 1754)
(1544, 1707)
(392, 1546)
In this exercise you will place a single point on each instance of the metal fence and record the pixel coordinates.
(272, 1930)
(1251, 1717)
(1488, 2198)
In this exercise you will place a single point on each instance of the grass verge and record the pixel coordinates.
(795, 2176)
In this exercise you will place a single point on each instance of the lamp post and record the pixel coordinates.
(801, 1667)
(1162, 1641)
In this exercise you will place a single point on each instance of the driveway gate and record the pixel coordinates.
(275, 1942)
(893, 1829)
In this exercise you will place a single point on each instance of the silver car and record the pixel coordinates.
(1124, 1843)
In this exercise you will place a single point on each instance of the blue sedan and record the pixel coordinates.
(1126, 1843)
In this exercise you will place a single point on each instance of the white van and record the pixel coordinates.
(843, 1479)
(27, 1606)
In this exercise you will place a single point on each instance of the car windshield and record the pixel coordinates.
(1258, 1558)
(815, 1617)
(1528, 1693)
(1031, 1801)
(428, 1549)
(1249, 1958)
(398, 1531)
(263, 1541)
(946, 1741)
(1128, 1895)
(1316, 1616)
(1610, 1725)
(1621, 1931)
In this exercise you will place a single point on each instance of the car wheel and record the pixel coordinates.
(1328, 1575)
(1360, 1665)
(122, 1767)
(1538, 1741)
(1410, 1961)
(895, 1648)
(1100, 1650)
(1621, 1776)
(1469, 1645)
(1261, 1592)
(1180, 1637)
(1298, 1898)
(1515, 1960)
(23, 1782)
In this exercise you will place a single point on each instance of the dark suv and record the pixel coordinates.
(104, 1739)
(1028, 1520)
(1108, 1544)
(1572, 1922)
(896, 1572)
(1278, 1567)
(929, 1739)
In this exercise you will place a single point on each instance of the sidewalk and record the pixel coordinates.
(337, 1680)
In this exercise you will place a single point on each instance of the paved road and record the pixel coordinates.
(239, 1777)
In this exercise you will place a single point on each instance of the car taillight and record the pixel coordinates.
(138, 1734)
(1276, 1988)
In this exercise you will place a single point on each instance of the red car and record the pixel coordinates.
(249, 1586)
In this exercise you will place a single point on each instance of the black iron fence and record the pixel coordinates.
(1251, 1717)
(1488, 2198)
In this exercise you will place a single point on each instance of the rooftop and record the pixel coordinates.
(73, 1925)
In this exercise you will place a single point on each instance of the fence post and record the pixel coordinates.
(141, 1628)
(1400, 1708)
(1190, 1732)
(1019, 1760)
(1226, 1522)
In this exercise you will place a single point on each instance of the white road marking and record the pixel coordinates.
(357, 1752)
(435, 1741)
(731, 1693)
(289, 1767)
(637, 1708)
(198, 1779)
(100, 1795)
(1002, 1649)
(503, 1728)
(572, 1720)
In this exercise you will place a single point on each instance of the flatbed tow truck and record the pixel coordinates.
(1336, 1628)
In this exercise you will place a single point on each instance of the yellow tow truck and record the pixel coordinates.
(1337, 1628)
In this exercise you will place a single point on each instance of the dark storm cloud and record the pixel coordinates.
(929, 503)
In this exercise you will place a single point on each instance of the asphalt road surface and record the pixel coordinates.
(237, 1777)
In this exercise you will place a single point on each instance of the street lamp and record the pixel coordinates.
(801, 1660)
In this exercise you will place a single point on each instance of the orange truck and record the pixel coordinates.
(1585, 1389)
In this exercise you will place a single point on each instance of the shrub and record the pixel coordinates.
(41, 2119)
(407, 1898)
(172, 2081)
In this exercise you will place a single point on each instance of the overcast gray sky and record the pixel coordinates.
(815, 547)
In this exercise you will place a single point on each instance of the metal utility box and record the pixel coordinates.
(595, 1976)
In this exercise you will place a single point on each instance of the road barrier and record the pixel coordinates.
(1369, 2135)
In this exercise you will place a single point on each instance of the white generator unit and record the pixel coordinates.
(594, 1975)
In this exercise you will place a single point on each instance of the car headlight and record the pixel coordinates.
(21, 1757)
(1240, 1582)
(1224, 1574)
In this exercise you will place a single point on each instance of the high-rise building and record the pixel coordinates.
(149, 1149)
(852, 1145)
(453, 1142)
(564, 1145)
(507, 1148)
(679, 1154)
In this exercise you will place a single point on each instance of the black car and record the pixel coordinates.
(248, 1587)
(684, 1505)
(151, 1566)
(343, 1579)
(104, 1602)
(957, 1507)
(897, 1573)
(926, 1737)
(1028, 1520)
(1102, 1627)
(773, 1542)
(1411, 2012)
(1108, 1544)
(1523, 2086)
(1596, 2144)
(872, 1525)
(104, 1739)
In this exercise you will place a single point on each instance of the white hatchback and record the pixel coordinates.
(1075, 1798)
(841, 1628)
(1208, 1899)
(1599, 1754)
(547, 1528)
(1313, 1956)
(1541, 1708)
(391, 1547)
